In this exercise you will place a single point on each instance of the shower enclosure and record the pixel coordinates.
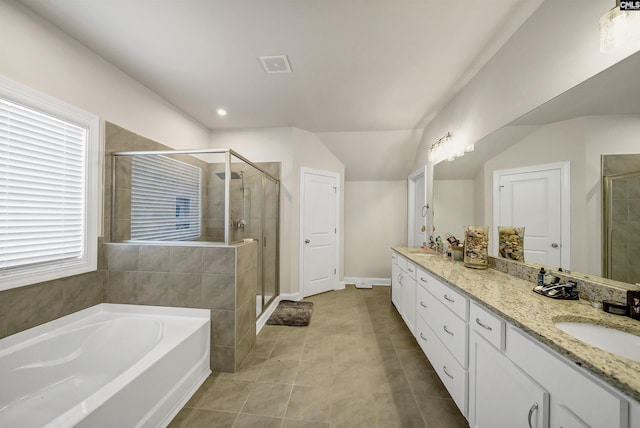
(215, 196)
(621, 217)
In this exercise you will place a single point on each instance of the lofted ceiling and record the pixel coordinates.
(358, 65)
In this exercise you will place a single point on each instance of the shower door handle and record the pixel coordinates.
(306, 241)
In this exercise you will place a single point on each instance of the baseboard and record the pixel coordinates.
(367, 282)
(341, 285)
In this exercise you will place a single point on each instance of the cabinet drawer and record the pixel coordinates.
(487, 324)
(421, 301)
(450, 298)
(453, 376)
(569, 387)
(451, 330)
(394, 257)
(411, 269)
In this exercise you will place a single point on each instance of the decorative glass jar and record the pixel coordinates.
(476, 245)
(511, 243)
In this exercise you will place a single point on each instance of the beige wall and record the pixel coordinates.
(608, 135)
(375, 220)
(561, 39)
(37, 54)
(453, 207)
(557, 142)
(580, 141)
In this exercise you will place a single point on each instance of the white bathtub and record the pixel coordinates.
(106, 366)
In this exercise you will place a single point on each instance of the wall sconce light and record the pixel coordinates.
(619, 27)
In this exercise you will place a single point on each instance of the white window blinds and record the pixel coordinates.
(165, 199)
(42, 188)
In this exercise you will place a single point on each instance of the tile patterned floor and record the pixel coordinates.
(356, 365)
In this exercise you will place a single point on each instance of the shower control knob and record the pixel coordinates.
(554, 245)
(306, 241)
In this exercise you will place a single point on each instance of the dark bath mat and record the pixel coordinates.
(288, 312)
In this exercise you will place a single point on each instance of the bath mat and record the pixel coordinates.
(288, 312)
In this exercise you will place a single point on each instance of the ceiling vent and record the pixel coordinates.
(275, 64)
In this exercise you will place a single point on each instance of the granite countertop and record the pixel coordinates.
(504, 295)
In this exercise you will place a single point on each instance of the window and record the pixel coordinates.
(165, 199)
(48, 188)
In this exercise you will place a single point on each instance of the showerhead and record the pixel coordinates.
(234, 175)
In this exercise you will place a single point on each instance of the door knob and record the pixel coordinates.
(306, 241)
(554, 245)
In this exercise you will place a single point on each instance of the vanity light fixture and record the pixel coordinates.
(619, 27)
(221, 112)
(469, 148)
(439, 145)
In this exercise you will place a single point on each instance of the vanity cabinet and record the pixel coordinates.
(577, 398)
(498, 375)
(396, 284)
(409, 297)
(403, 289)
(441, 331)
(501, 395)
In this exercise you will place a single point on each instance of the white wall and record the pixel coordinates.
(375, 220)
(37, 54)
(453, 207)
(294, 148)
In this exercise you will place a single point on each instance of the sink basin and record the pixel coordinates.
(615, 341)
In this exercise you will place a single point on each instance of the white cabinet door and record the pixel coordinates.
(500, 394)
(396, 286)
(409, 302)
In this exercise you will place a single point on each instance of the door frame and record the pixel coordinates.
(565, 205)
(303, 172)
(411, 202)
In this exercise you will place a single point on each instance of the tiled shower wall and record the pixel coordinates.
(221, 279)
(625, 216)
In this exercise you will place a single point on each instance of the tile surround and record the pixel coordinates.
(222, 279)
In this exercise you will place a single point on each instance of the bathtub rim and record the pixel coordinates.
(25, 337)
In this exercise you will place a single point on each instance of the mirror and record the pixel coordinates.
(601, 116)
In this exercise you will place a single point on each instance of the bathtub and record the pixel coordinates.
(106, 366)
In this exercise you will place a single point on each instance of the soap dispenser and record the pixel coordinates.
(541, 275)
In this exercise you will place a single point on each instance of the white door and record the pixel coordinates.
(417, 207)
(319, 232)
(534, 198)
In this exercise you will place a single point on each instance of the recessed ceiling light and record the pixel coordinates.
(275, 64)
(221, 112)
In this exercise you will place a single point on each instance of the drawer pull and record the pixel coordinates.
(449, 299)
(423, 280)
(409, 269)
(488, 327)
(531, 410)
(444, 327)
(449, 374)
(422, 304)
(422, 337)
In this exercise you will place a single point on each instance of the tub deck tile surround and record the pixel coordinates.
(511, 298)
(29, 306)
(219, 278)
(356, 364)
